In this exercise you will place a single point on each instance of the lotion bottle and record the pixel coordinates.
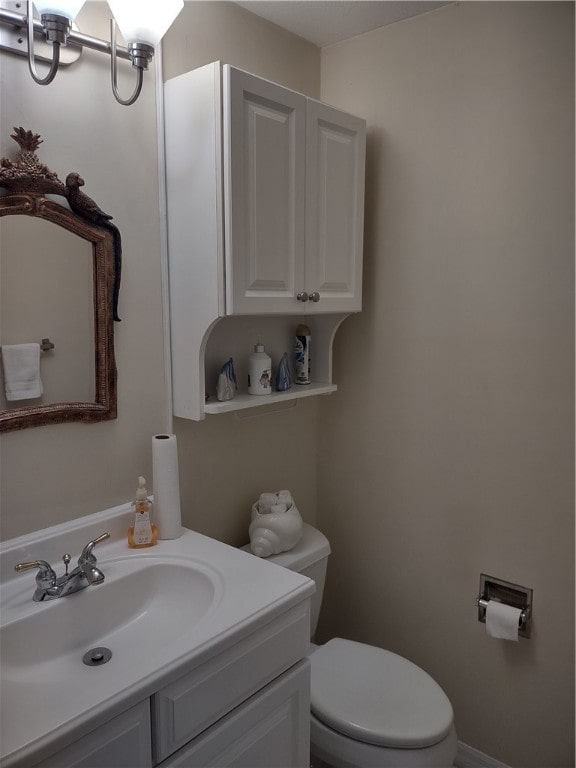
(259, 372)
(142, 532)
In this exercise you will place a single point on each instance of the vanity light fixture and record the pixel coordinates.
(142, 23)
(56, 19)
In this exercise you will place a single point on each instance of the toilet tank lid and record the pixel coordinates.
(312, 547)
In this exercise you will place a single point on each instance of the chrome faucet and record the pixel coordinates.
(49, 586)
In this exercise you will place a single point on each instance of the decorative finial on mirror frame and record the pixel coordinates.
(28, 176)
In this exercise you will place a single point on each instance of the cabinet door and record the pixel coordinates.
(270, 729)
(264, 183)
(124, 742)
(336, 149)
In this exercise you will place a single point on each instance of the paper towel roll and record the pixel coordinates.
(502, 621)
(166, 486)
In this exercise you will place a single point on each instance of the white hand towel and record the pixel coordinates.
(22, 371)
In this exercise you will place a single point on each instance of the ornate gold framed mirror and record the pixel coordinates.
(78, 294)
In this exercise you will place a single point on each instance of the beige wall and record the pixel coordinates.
(210, 30)
(53, 474)
(448, 449)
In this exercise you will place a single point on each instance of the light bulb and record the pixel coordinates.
(68, 8)
(144, 21)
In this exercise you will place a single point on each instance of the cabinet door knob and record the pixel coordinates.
(314, 296)
(302, 296)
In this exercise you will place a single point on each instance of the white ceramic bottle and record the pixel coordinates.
(259, 372)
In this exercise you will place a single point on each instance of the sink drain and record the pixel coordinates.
(95, 657)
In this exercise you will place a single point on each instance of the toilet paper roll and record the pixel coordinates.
(166, 486)
(502, 621)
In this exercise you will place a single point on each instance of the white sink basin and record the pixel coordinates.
(144, 603)
(178, 603)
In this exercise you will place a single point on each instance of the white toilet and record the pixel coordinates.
(370, 708)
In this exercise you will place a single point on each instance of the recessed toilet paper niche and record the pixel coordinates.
(510, 594)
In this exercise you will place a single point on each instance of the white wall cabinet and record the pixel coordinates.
(265, 192)
(264, 186)
(294, 201)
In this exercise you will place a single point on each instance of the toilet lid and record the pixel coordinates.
(377, 697)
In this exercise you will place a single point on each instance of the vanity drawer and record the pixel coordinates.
(190, 705)
(274, 722)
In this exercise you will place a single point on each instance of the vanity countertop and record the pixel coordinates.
(176, 604)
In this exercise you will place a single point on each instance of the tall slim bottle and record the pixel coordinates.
(302, 354)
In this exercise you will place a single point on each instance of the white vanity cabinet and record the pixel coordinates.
(265, 193)
(243, 707)
(271, 728)
(274, 722)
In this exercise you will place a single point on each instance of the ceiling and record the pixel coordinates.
(323, 22)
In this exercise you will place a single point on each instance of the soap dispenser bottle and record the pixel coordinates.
(142, 532)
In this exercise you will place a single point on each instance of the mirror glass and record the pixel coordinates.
(60, 264)
(46, 292)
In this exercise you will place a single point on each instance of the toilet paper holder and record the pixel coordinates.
(514, 595)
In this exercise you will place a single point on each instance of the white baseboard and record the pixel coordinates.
(468, 757)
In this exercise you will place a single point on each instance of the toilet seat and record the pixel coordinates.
(376, 697)
(340, 751)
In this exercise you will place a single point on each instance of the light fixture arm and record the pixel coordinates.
(59, 27)
(140, 55)
(77, 39)
(56, 28)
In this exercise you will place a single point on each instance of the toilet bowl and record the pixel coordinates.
(370, 708)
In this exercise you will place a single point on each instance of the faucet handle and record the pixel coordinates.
(87, 556)
(46, 577)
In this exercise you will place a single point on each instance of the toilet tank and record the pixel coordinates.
(310, 558)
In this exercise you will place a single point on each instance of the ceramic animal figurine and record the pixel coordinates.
(227, 383)
(276, 531)
(283, 375)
